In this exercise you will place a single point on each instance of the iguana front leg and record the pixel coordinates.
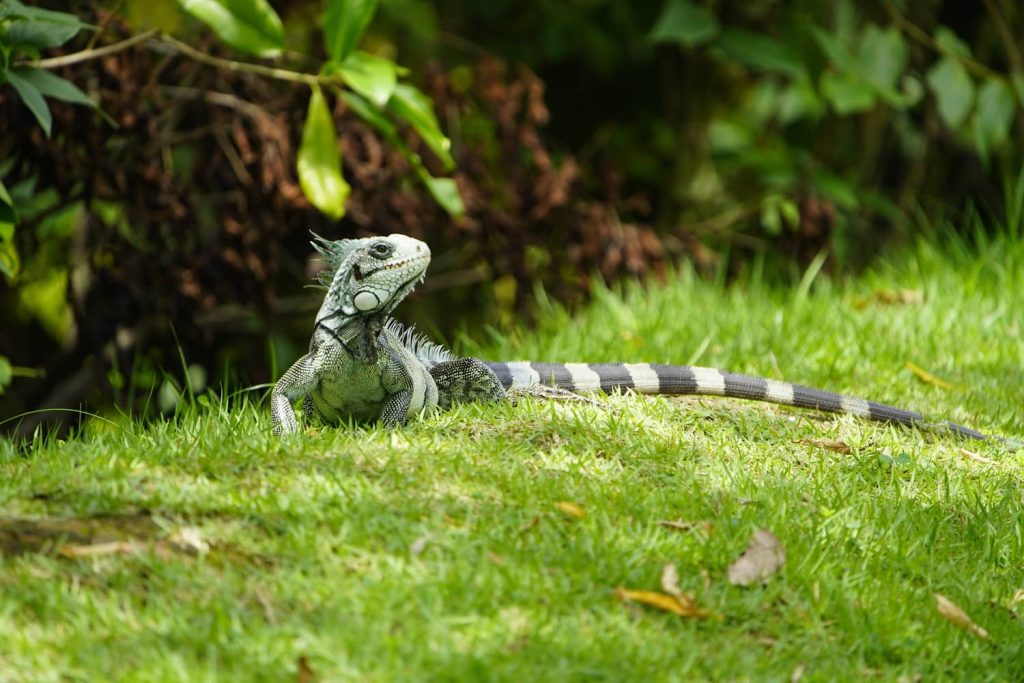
(465, 380)
(293, 385)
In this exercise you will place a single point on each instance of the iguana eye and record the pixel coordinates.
(380, 250)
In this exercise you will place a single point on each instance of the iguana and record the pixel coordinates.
(362, 364)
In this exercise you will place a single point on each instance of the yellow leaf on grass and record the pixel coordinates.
(970, 455)
(928, 377)
(571, 509)
(953, 613)
(666, 603)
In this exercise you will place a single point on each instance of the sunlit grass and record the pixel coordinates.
(439, 551)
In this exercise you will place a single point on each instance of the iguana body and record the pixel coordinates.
(363, 365)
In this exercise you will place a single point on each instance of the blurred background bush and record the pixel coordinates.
(160, 239)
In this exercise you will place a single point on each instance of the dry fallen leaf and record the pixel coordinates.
(1017, 597)
(75, 551)
(836, 446)
(190, 540)
(952, 612)
(702, 525)
(670, 582)
(762, 558)
(571, 509)
(970, 455)
(304, 672)
(890, 297)
(667, 603)
(928, 377)
(419, 545)
(797, 674)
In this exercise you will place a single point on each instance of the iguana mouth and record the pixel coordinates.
(359, 274)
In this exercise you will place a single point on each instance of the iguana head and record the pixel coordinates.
(369, 276)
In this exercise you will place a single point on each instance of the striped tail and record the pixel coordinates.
(647, 378)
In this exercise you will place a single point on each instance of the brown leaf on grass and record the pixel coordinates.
(667, 603)
(529, 525)
(835, 446)
(189, 540)
(927, 377)
(970, 455)
(702, 525)
(419, 545)
(304, 672)
(889, 297)
(953, 613)
(76, 551)
(670, 582)
(571, 509)
(761, 560)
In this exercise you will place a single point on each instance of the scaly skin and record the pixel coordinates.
(363, 365)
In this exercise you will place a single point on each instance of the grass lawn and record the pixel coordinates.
(204, 549)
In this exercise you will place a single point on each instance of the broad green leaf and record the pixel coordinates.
(847, 94)
(445, 192)
(6, 373)
(251, 26)
(759, 51)
(344, 23)
(10, 264)
(835, 50)
(8, 214)
(953, 89)
(33, 99)
(372, 77)
(37, 28)
(993, 115)
(684, 22)
(372, 116)
(882, 57)
(319, 162)
(52, 85)
(412, 105)
(951, 41)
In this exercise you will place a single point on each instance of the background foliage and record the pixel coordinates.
(530, 143)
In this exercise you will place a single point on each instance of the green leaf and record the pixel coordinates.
(412, 105)
(8, 214)
(847, 94)
(52, 85)
(882, 57)
(37, 28)
(953, 89)
(33, 99)
(10, 264)
(372, 116)
(684, 22)
(951, 41)
(344, 23)
(372, 77)
(251, 26)
(835, 51)
(993, 115)
(759, 51)
(6, 373)
(319, 162)
(445, 192)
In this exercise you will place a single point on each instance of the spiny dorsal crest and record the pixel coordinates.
(430, 353)
(334, 252)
